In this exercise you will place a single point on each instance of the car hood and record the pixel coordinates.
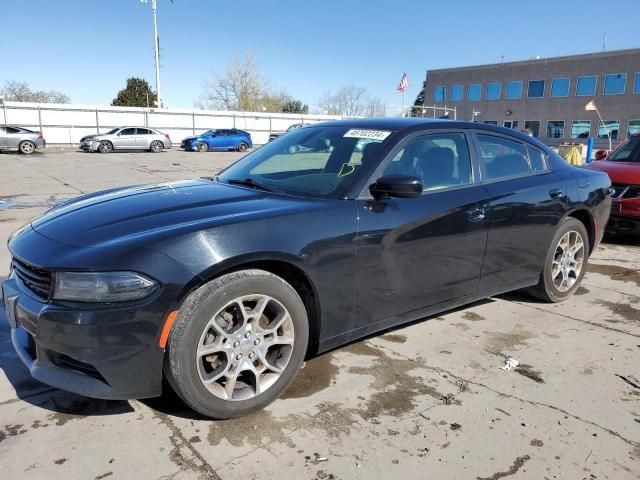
(89, 137)
(191, 139)
(626, 173)
(147, 213)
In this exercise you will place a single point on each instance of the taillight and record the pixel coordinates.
(40, 137)
(167, 135)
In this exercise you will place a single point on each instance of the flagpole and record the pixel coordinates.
(402, 104)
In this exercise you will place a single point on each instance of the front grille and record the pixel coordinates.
(625, 191)
(36, 279)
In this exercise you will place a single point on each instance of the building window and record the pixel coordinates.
(533, 126)
(514, 90)
(512, 124)
(555, 129)
(580, 128)
(560, 87)
(634, 127)
(493, 90)
(439, 94)
(457, 93)
(536, 89)
(615, 83)
(636, 83)
(475, 91)
(609, 127)
(490, 122)
(586, 86)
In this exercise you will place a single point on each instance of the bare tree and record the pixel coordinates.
(350, 101)
(15, 91)
(375, 108)
(240, 88)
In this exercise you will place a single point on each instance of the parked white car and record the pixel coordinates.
(126, 138)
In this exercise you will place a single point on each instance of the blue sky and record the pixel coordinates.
(88, 48)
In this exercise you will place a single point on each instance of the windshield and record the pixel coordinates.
(112, 131)
(208, 133)
(316, 162)
(629, 151)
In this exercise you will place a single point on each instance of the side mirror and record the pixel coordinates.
(601, 154)
(396, 186)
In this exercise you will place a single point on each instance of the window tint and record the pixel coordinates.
(12, 130)
(501, 158)
(537, 158)
(533, 126)
(555, 129)
(586, 85)
(560, 87)
(144, 131)
(514, 90)
(580, 128)
(2, 130)
(457, 93)
(439, 160)
(634, 127)
(636, 83)
(493, 90)
(475, 91)
(439, 94)
(615, 83)
(609, 127)
(536, 89)
(128, 131)
(627, 152)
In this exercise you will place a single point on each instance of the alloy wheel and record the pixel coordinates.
(242, 147)
(156, 146)
(567, 261)
(27, 148)
(245, 347)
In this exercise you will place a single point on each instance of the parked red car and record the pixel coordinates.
(623, 168)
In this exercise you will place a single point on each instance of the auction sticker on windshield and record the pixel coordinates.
(370, 134)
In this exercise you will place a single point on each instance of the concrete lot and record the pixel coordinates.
(424, 401)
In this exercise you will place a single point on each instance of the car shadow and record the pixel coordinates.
(621, 240)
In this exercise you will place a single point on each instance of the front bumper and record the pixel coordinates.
(89, 146)
(97, 352)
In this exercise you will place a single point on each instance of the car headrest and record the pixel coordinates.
(507, 165)
(370, 152)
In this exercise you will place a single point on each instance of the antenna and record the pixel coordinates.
(604, 42)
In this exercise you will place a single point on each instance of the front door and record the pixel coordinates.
(427, 251)
(125, 139)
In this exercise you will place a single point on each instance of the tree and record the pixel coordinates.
(350, 101)
(15, 91)
(416, 111)
(375, 108)
(294, 106)
(242, 87)
(137, 93)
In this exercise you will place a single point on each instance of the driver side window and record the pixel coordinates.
(440, 161)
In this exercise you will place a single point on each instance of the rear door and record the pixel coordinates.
(143, 138)
(415, 253)
(526, 200)
(125, 139)
(3, 137)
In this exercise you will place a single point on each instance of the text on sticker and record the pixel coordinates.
(370, 134)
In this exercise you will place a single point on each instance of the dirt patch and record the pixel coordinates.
(75, 408)
(537, 443)
(528, 371)
(582, 291)
(317, 374)
(614, 272)
(517, 465)
(258, 429)
(502, 343)
(623, 310)
(394, 337)
(60, 461)
(473, 316)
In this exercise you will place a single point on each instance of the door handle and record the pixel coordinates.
(476, 214)
(557, 193)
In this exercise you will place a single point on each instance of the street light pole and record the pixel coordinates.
(156, 42)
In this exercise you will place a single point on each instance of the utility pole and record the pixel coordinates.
(156, 44)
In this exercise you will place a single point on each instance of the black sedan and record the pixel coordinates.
(223, 285)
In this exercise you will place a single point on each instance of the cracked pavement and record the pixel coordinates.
(424, 400)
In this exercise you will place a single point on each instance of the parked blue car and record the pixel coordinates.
(219, 139)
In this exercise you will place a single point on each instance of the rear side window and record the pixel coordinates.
(538, 159)
(440, 160)
(144, 131)
(501, 158)
(12, 130)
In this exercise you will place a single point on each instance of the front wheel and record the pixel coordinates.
(243, 147)
(565, 264)
(202, 147)
(156, 146)
(105, 146)
(237, 343)
(27, 147)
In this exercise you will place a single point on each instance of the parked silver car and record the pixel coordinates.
(20, 139)
(126, 138)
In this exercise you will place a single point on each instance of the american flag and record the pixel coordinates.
(404, 83)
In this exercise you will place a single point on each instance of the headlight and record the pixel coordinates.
(102, 286)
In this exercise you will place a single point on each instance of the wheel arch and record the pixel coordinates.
(282, 266)
(584, 216)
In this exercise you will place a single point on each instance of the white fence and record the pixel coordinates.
(63, 124)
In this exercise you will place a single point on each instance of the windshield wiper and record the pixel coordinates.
(248, 182)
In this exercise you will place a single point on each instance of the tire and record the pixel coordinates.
(156, 146)
(105, 146)
(555, 285)
(202, 147)
(243, 147)
(208, 342)
(27, 147)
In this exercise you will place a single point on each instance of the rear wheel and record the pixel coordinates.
(156, 146)
(237, 343)
(27, 147)
(565, 264)
(242, 147)
(202, 147)
(105, 146)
